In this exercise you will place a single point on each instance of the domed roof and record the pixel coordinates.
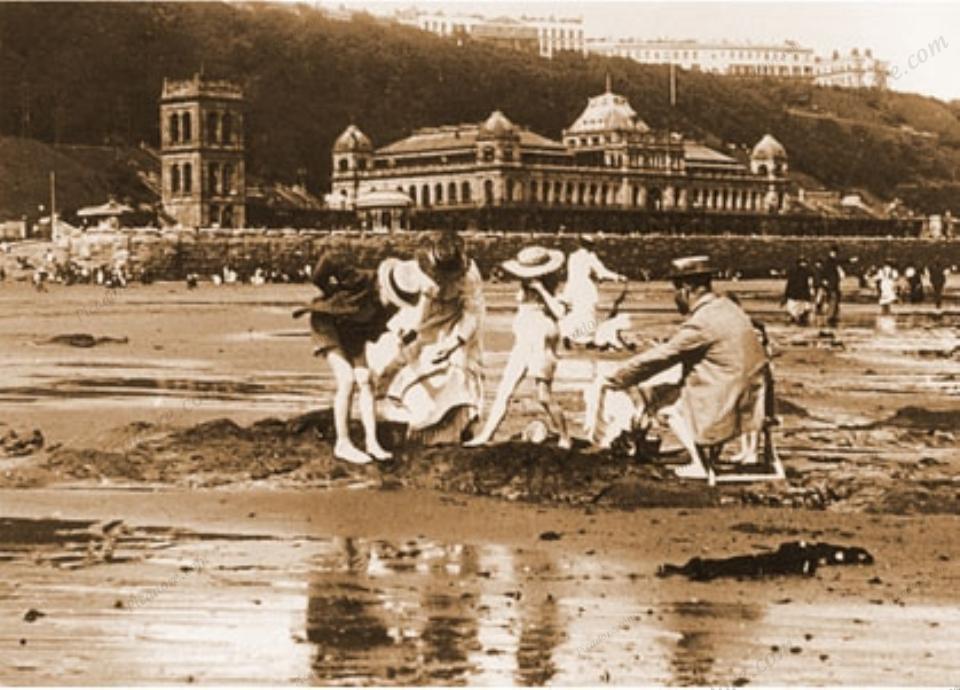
(608, 111)
(497, 125)
(352, 140)
(768, 148)
(384, 198)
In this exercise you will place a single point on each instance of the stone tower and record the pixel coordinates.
(352, 160)
(201, 152)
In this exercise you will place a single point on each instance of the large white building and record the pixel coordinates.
(608, 158)
(550, 34)
(853, 70)
(783, 60)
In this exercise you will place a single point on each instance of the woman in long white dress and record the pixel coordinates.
(439, 393)
(579, 326)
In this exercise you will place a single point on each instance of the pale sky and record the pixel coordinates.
(898, 32)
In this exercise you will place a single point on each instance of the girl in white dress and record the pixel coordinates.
(536, 337)
(583, 267)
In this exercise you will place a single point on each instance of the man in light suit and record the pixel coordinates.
(722, 366)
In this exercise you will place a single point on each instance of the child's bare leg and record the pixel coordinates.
(554, 413)
(368, 415)
(343, 448)
(512, 374)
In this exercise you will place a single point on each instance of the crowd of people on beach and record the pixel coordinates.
(814, 292)
(409, 333)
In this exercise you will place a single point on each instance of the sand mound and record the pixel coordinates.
(297, 452)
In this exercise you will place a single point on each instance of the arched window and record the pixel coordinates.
(213, 179)
(534, 190)
(213, 133)
(488, 191)
(226, 131)
(438, 194)
(509, 193)
(187, 178)
(452, 193)
(603, 195)
(412, 193)
(465, 193)
(175, 178)
(425, 195)
(186, 128)
(174, 128)
(228, 187)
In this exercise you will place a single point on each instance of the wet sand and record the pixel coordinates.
(270, 578)
(380, 587)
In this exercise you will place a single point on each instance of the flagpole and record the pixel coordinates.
(53, 204)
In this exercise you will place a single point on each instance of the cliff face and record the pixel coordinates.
(91, 73)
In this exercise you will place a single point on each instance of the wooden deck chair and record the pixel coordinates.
(768, 466)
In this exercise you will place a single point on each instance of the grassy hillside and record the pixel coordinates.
(85, 176)
(91, 73)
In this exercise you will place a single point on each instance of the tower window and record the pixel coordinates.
(186, 128)
(343, 164)
(187, 178)
(175, 178)
(212, 133)
(213, 179)
(226, 131)
(174, 128)
(465, 192)
(228, 186)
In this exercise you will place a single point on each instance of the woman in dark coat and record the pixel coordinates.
(352, 311)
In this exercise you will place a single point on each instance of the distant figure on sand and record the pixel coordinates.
(798, 294)
(831, 277)
(536, 337)
(937, 275)
(887, 286)
(580, 293)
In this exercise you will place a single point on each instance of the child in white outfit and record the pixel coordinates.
(536, 338)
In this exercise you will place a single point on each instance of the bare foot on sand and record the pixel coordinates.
(344, 450)
(692, 470)
(379, 453)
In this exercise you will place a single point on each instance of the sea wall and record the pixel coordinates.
(172, 255)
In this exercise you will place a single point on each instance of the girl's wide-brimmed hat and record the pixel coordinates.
(533, 262)
(398, 282)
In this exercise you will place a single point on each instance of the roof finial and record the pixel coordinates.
(609, 87)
